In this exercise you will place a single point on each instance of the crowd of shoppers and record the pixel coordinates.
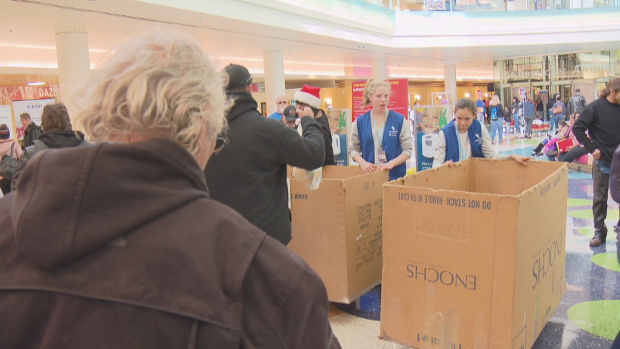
(119, 244)
(176, 216)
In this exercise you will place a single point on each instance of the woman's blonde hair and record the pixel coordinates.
(159, 85)
(495, 100)
(371, 87)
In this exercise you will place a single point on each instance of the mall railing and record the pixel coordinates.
(486, 5)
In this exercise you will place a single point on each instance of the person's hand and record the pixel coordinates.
(307, 112)
(597, 154)
(523, 160)
(450, 163)
(386, 166)
(367, 167)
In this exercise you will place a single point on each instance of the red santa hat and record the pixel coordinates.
(309, 95)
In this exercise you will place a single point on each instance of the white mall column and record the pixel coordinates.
(273, 63)
(379, 70)
(73, 65)
(450, 81)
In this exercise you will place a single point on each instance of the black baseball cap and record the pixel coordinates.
(238, 76)
(290, 114)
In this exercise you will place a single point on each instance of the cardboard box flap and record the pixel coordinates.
(456, 178)
(364, 225)
(511, 178)
(540, 255)
(504, 270)
(341, 172)
(327, 218)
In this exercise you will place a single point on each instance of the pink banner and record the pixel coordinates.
(399, 98)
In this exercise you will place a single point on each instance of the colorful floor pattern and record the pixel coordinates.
(588, 315)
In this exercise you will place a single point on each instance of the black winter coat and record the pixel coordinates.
(31, 134)
(249, 174)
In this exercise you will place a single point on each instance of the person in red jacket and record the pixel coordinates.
(118, 245)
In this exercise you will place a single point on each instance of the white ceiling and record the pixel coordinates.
(27, 39)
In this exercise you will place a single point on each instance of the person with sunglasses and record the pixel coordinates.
(249, 174)
(281, 104)
(118, 245)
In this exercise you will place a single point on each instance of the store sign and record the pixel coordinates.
(34, 108)
(577, 70)
(399, 98)
(22, 93)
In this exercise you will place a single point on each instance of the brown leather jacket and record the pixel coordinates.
(118, 246)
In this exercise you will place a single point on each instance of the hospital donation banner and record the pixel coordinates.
(428, 121)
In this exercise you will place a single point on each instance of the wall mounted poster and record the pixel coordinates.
(429, 120)
(399, 98)
(33, 107)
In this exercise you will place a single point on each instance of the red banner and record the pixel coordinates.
(23, 93)
(399, 98)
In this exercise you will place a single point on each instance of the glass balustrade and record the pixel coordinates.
(387, 6)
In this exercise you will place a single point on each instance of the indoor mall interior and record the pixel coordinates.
(466, 194)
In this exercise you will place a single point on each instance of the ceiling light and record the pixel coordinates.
(38, 83)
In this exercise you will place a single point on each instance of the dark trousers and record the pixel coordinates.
(5, 185)
(573, 154)
(601, 194)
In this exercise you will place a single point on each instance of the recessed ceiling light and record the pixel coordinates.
(37, 83)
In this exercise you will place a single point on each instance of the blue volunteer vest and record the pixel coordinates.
(391, 140)
(452, 143)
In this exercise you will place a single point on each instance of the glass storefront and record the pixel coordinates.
(557, 74)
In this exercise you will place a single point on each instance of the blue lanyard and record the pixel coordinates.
(458, 139)
(379, 134)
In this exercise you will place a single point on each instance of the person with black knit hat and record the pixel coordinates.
(7, 147)
(309, 96)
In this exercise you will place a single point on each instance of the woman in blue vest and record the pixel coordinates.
(381, 138)
(465, 137)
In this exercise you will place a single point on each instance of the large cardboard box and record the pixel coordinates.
(474, 254)
(337, 229)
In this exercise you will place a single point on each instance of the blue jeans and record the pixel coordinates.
(517, 125)
(498, 125)
(556, 120)
(528, 128)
